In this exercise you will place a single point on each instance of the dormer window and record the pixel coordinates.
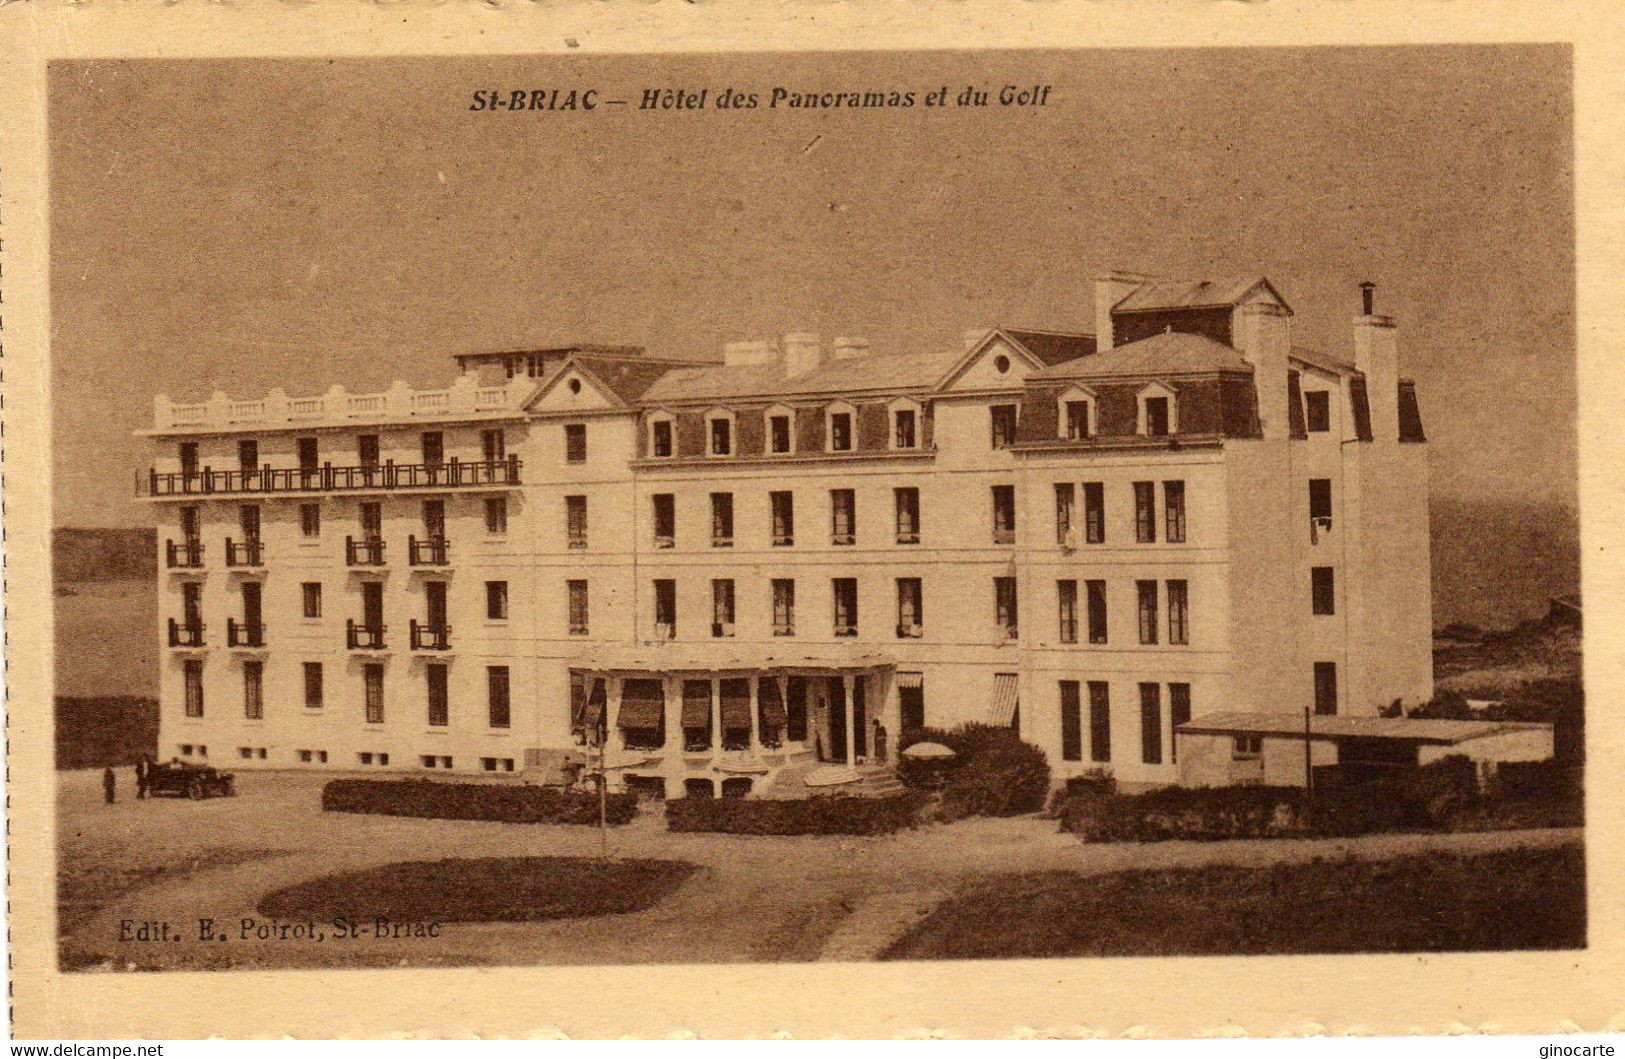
(719, 429)
(1159, 411)
(840, 428)
(780, 430)
(905, 425)
(662, 436)
(1076, 414)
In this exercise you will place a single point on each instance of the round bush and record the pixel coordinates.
(992, 773)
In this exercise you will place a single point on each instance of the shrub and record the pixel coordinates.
(1538, 779)
(825, 815)
(992, 773)
(513, 804)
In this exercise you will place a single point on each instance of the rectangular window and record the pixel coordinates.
(1004, 514)
(366, 450)
(1247, 748)
(840, 432)
(248, 456)
(843, 516)
(1004, 606)
(907, 502)
(192, 604)
(1066, 593)
(1156, 416)
(1065, 498)
(496, 515)
(191, 526)
(1148, 611)
(248, 516)
(434, 448)
(312, 593)
(665, 609)
(1100, 721)
(721, 437)
(313, 685)
(910, 608)
(1077, 420)
(434, 519)
(1318, 410)
(1145, 512)
(784, 518)
(498, 708)
(660, 433)
(722, 607)
(188, 456)
(1323, 590)
(784, 607)
(1151, 723)
(904, 435)
(1002, 421)
(1173, 510)
(1071, 721)
(310, 457)
(575, 443)
(310, 520)
(575, 521)
(254, 689)
(439, 696)
(1320, 498)
(1179, 711)
(1326, 687)
(493, 445)
(577, 591)
(372, 520)
(665, 520)
(1094, 512)
(372, 676)
(1097, 610)
(778, 433)
(846, 606)
(722, 520)
(1179, 619)
(496, 600)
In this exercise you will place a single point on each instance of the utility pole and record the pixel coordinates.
(1308, 760)
(603, 783)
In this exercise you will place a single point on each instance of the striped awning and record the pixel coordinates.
(735, 704)
(696, 704)
(643, 704)
(1002, 713)
(772, 705)
(911, 680)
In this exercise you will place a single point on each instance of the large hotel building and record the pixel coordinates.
(763, 567)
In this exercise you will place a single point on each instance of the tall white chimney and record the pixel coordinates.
(1262, 333)
(1376, 353)
(1111, 288)
(802, 354)
(758, 351)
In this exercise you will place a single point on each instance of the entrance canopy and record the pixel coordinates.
(727, 658)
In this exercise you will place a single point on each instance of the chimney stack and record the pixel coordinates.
(802, 354)
(1368, 292)
(758, 351)
(849, 347)
(1376, 355)
(1111, 288)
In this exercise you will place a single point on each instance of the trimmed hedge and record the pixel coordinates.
(824, 815)
(992, 773)
(507, 803)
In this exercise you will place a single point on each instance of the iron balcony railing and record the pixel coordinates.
(428, 551)
(427, 637)
(368, 551)
(184, 554)
(244, 553)
(451, 474)
(244, 634)
(185, 634)
(363, 637)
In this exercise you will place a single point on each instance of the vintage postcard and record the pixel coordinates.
(831, 521)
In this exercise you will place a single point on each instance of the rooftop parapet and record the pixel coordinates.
(400, 403)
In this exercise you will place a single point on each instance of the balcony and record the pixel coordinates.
(427, 637)
(185, 634)
(843, 630)
(453, 474)
(1002, 535)
(843, 538)
(909, 631)
(245, 553)
(665, 540)
(184, 554)
(364, 637)
(368, 551)
(665, 630)
(782, 628)
(722, 630)
(430, 551)
(244, 634)
(908, 537)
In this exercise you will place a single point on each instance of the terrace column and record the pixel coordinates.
(716, 713)
(612, 707)
(851, 731)
(669, 689)
(755, 708)
(784, 702)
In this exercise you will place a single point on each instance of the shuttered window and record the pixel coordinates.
(1071, 722)
(1100, 721)
(1151, 723)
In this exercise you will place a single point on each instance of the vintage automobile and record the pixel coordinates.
(193, 781)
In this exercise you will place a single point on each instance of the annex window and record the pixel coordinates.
(843, 517)
(1002, 425)
(496, 515)
(434, 448)
(498, 708)
(905, 431)
(910, 608)
(665, 519)
(496, 601)
(1179, 711)
(720, 432)
(1326, 687)
(1004, 607)
(311, 596)
(1145, 512)
(1323, 590)
(1148, 610)
(840, 428)
(1317, 411)
(1151, 723)
(784, 518)
(1247, 748)
(1066, 594)
(1173, 511)
(780, 436)
(665, 609)
(577, 592)
(434, 676)
(722, 520)
(1066, 496)
(784, 607)
(1097, 610)
(1179, 630)
(1320, 500)
(575, 521)
(1094, 512)
(845, 590)
(907, 500)
(1071, 721)
(254, 690)
(722, 607)
(1004, 514)
(372, 679)
(662, 436)
(1158, 411)
(1100, 721)
(310, 521)
(313, 685)
(575, 443)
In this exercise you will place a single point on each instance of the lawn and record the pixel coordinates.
(1436, 902)
(483, 890)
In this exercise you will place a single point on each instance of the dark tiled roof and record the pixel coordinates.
(629, 378)
(1170, 353)
(895, 371)
(1053, 347)
(1191, 294)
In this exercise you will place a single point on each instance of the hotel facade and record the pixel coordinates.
(757, 571)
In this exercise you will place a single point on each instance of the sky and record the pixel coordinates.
(242, 224)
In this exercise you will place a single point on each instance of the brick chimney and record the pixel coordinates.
(803, 354)
(1376, 353)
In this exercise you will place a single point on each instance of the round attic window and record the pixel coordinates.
(1001, 363)
(575, 385)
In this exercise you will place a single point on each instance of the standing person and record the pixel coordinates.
(880, 742)
(109, 783)
(141, 777)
